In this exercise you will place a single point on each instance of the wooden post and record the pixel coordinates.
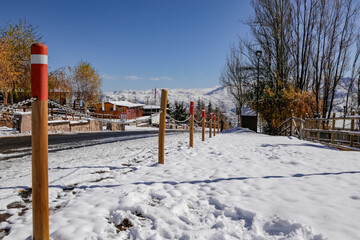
(203, 124)
(318, 128)
(39, 139)
(301, 128)
(210, 126)
(214, 117)
(291, 122)
(162, 126)
(218, 124)
(352, 129)
(191, 142)
(333, 128)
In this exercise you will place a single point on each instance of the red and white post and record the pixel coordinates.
(203, 124)
(192, 112)
(39, 139)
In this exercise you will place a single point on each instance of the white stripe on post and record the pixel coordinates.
(39, 59)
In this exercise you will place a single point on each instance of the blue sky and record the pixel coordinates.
(138, 44)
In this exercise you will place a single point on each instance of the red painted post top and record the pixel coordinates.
(192, 108)
(39, 71)
(203, 112)
(39, 48)
(211, 115)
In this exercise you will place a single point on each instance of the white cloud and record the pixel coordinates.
(109, 77)
(117, 77)
(167, 78)
(132, 77)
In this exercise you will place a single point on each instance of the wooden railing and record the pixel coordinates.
(339, 132)
(293, 126)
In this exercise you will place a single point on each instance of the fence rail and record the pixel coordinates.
(338, 132)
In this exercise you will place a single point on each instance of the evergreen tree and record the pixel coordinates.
(179, 112)
(199, 105)
(168, 108)
(209, 110)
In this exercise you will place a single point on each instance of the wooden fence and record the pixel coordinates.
(338, 132)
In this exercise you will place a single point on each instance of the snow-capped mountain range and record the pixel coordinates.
(218, 96)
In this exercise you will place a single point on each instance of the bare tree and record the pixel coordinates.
(303, 25)
(341, 38)
(235, 76)
(355, 69)
(271, 30)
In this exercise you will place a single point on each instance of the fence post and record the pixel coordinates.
(291, 122)
(306, 126)
(214, 117)
(162, 126)
(39, 139)
(301, 128)
(333, 128)
(210, 126)
(352, 129)
(218, 123)
(203, 124)
(318, 128)
(191, 124)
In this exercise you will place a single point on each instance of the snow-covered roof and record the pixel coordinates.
(151, 107)
(247, 111)
(126, 104)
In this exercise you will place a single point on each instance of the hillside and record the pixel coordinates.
(218, 96)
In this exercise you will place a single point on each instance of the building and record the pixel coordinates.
(121, 109)
(248, 118)
(151, 109)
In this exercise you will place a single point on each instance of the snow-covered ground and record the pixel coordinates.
(237, 185)
(5, 131)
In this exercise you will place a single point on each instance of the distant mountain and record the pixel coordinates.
(341, 92)
(218, 95)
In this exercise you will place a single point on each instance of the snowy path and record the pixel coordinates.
(238, 185)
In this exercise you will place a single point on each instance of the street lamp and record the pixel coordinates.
(258, 54)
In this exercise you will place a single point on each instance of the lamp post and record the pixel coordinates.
(258, 55)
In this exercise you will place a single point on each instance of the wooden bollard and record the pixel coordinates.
(352, 129)
(333, 128)
(162, 126)
(214, 117)
(318, 128)
(39, 140)
(203, 124)
(291, 122)
(191, 142)
(210, 125)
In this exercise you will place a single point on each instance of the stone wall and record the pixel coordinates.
(6, 120)
(96, 126)
(59, 126)
(115, 127)
(22, 123)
